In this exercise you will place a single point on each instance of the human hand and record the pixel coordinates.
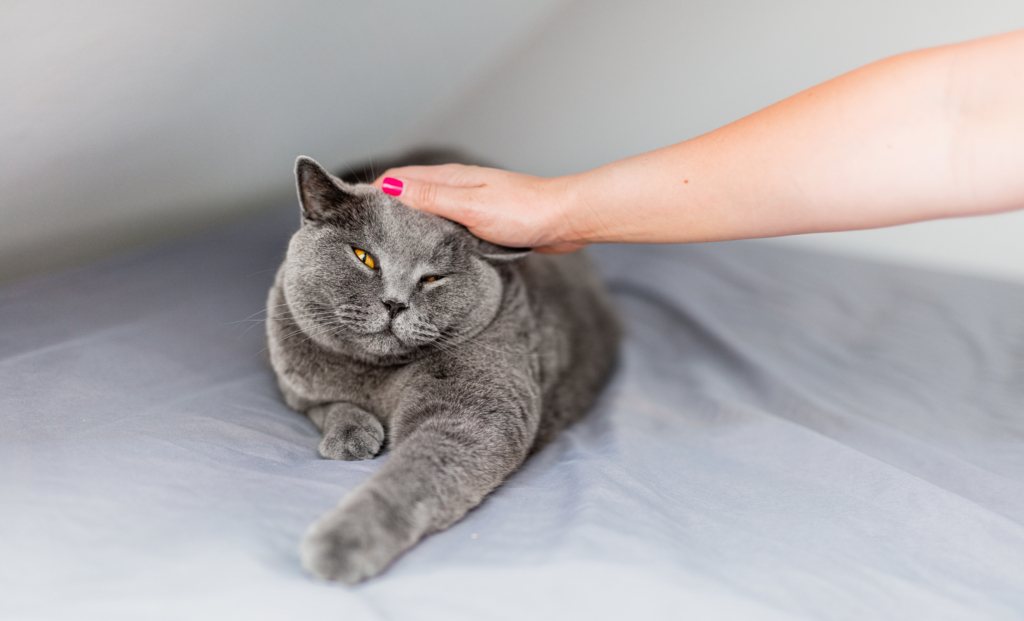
(506, 208)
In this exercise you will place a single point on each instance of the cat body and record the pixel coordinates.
(387, 325)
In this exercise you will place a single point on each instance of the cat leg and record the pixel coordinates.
(431, 479)
(350, 432)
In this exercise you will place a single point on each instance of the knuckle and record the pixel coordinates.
(462, 175)
(428, 195)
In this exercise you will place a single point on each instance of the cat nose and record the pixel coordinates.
(394, 307)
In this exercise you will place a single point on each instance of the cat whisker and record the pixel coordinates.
(495, 349)
(251, 317)
(320, 333)
(295, 332)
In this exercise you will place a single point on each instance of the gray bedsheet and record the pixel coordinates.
(787, 436)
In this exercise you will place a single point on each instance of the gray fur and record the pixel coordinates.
(483, 367)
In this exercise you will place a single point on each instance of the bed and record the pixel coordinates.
(788, 435)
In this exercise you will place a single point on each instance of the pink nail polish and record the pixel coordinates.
(392, 186)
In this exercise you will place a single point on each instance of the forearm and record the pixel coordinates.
(930, 134)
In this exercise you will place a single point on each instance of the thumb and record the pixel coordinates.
(441, 200)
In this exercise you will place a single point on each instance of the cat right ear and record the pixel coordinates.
(319, 193)
(501, 254)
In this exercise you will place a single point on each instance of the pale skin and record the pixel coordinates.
(935, 133)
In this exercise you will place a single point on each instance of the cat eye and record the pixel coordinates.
(365, 257)
(430, 278)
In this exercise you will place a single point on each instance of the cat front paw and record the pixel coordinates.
(353, 440)
(351, 544)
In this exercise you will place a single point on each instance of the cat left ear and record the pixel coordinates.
(319, 192)
(501, 254)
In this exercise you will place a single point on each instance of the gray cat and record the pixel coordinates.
(389, 323)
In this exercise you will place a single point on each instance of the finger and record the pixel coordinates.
(442, 200)
(445, 174)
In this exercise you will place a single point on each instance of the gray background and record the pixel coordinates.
(125, 123)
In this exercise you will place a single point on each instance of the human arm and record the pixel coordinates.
(928, 134)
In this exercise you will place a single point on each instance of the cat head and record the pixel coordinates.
(370, 278)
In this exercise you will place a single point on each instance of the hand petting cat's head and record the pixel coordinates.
(368, 277)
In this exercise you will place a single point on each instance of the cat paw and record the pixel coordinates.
(349, 546)
(353, 440)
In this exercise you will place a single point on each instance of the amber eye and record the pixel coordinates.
(430, 278)
(365, 257)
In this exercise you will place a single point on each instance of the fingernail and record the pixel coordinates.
(392, 186)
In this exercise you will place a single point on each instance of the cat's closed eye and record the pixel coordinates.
(365, 257)
(430, 278)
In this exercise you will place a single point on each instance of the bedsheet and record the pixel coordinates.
(788, 436)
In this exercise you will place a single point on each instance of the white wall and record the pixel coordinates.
(604, 80)
(126, 122)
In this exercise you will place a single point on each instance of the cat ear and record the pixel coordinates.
(319, 192)
(501, 254)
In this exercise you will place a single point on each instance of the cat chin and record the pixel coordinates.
(381, 347)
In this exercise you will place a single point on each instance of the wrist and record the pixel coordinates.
(570, 210)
